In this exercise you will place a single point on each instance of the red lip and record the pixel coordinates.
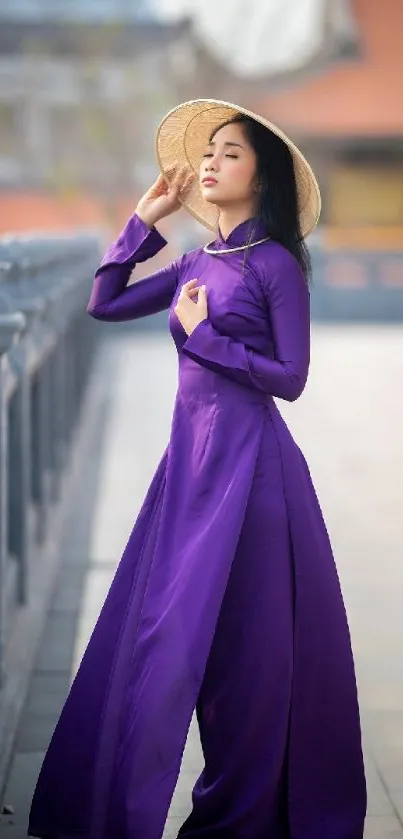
(209, 181)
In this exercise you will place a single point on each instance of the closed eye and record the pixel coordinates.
(234, 156)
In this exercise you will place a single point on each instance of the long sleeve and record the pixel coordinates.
(287, 296)
(111, 298)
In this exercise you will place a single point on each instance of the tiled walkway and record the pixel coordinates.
(349, 424)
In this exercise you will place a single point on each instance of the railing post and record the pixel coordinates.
(20, 459)
(10, 325)
(42, 443)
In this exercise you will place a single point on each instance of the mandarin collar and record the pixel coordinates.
(251, 229)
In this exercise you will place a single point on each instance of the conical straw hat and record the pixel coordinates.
(182, 137)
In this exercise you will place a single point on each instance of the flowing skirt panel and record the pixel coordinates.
(244, 704)
(114, 759)
(326, 778)
(126, 718)
(63, 801)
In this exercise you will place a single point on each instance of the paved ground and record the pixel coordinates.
(348, 423)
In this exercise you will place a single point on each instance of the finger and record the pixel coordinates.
(193, 292)
(170, 170)
(182, 175)
(189, 175)
(175, 172)
(160, 183)
(186, 288)
(202, 298)
(184, 169)
(184, 292)
(176, 185)
(188, 183)
(169, 174)
(182, 182)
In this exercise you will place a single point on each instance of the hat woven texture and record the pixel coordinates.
(182, 137)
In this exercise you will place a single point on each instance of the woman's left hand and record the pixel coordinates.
(190, 312)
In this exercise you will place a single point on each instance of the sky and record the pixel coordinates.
(172, 8)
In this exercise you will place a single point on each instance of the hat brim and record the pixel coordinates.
(182, 136)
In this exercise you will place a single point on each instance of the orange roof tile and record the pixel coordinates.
(37, 211)
(362, 97)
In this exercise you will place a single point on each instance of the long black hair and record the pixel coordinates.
(277, 200)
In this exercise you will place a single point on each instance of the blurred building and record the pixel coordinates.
(82, 85)
(349, 120)
(264, 41)
(95, 10)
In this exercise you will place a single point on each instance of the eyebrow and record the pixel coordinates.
(212, 143)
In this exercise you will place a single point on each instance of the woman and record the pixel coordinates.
(226, 598)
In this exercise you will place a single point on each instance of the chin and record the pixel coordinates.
(209, 196)
(207, 190)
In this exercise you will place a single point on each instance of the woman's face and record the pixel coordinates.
(231, 161)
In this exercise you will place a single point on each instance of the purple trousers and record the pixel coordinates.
(244, 704)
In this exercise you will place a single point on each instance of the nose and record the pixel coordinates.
(210, 164)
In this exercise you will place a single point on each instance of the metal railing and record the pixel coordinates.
(46, 343)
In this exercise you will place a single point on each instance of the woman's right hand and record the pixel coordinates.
(161, 200)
